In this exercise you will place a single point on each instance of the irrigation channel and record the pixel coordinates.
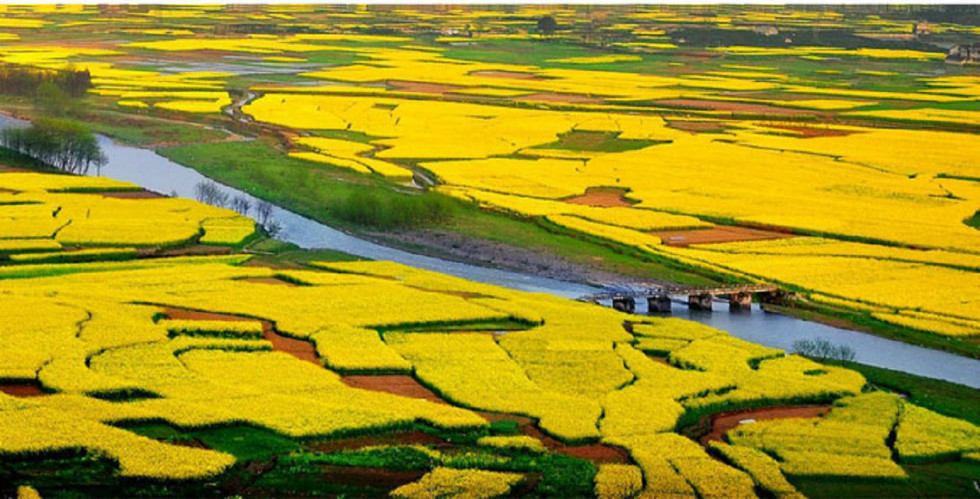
(156, 173)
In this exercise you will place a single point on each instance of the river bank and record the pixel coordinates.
(154, 172)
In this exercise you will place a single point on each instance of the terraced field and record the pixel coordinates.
(150, 343)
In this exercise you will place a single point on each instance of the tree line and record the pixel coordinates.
(62, 144)
(29, 82)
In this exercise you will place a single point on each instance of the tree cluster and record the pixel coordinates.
(63, 144)
(824, 350)
(27, 82)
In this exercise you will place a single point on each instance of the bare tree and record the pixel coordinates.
(263, 212)
(241, 204)
(208, 192)
(824, 350)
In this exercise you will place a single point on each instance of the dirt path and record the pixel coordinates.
(141, 194)
(403, 385)
(457, 247)
(301, 349)
(717, 234)
(398, 384)
(722, 422)
(408, 386)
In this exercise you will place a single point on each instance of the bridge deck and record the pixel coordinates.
(652, 291)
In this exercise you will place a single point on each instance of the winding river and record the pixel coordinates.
(156, 173)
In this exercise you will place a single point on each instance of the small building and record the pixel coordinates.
(921, 28)
(964, 54)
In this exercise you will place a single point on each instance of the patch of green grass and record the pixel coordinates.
(959, 177)
(311, 189)
(561, 476)
(245, 443)
(315, 190)
(952, 479)
(9, 157)
(392, 458)
(141, 131)
(973, 221)
(950, 399)
(345, 135)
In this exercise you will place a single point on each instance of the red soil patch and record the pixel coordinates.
(408, 386)
(398, 384)
(811, 132)
(696, 126)
(268, 280)
(734, 107)
(12, 169)
(24, 390)
(722, 422)
(553, 97)
(598, 453)
(601, 198)
(718, 234)
(301, 349)
(144, 194)
(420, 87)
(513, 75)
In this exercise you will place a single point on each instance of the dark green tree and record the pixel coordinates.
(547, 25)
(60, 143)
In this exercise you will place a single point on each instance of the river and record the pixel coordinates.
(154, 172)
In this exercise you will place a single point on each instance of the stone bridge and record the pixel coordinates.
(698, 298)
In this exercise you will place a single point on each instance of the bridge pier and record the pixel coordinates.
(658, 304)
(624, 304)
(700, 301)
(741, 301)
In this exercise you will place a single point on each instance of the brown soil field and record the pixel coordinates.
(398, 384)
(268, 280)
(601, 198)
(194, 249)
(660, 360)
(301, 349)
(696, 126)
(735, 107)
(811, 132)
(717, 234)
(514, 75)
(408, 386)
(598, 453)
(22, 389)
(722, 422)
(420, 87)
(11, 169)
(553, 97)
(144, 194)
